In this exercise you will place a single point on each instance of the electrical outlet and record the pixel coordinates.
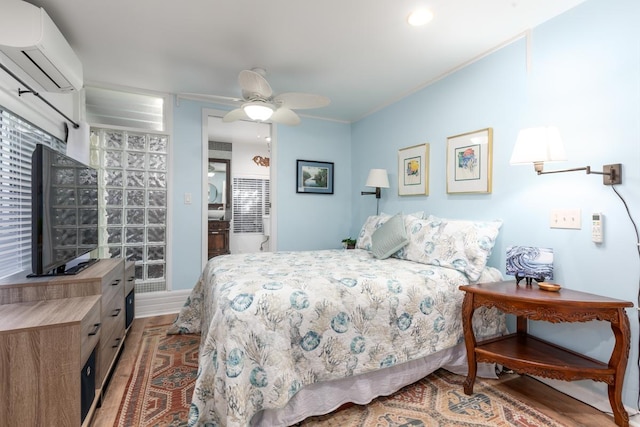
(565, 218)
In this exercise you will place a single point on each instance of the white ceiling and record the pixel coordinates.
(360, 53)
(240, 131)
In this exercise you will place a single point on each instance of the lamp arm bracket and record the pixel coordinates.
(612, 174)
(586, 168)
(377, 192)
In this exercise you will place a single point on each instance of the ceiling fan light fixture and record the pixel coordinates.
(419, 17)
(258, 111)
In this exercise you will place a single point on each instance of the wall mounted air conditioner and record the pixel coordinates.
(29, 38)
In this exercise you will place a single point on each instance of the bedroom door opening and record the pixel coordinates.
(248, 200)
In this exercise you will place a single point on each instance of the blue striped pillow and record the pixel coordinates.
(389, 237)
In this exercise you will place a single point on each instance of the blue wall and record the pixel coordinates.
(313, 221)
(186, 177)
(585, 79)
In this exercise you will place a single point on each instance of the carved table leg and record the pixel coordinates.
(469, 341)
(618, 361)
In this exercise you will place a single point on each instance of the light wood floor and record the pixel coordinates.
(549, 401)
(105, 416)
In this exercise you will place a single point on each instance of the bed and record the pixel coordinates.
(287, 335)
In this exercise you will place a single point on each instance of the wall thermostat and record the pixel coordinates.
(596, 227)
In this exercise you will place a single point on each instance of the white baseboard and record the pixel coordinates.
(159, 303)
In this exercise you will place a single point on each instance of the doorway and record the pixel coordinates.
(248, 198)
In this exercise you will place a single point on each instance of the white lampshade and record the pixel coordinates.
(258, 111)
(378, 178)
(538, 145)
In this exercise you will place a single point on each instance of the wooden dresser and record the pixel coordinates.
(59, 341)
(218, 238)
(43, 347)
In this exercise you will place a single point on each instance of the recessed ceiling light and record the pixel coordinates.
(420, 17)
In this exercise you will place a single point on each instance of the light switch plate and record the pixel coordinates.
(565, 218)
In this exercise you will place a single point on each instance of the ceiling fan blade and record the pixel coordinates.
(285, 116)
(233, 115)
(253, 84)
(296, 100)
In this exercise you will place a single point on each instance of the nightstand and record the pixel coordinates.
(526, 354)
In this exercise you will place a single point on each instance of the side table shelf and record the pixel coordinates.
(527, 354)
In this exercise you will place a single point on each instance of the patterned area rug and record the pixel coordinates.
(161, 384)
(438, 400)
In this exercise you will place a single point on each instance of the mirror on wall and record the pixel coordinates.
(219, 182)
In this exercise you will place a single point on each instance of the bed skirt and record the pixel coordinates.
(325, 397)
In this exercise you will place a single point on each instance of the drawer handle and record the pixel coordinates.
(115, 282)
(88, 371)
(131, 279)
(117, 340)
(96, 328)
(116, 312)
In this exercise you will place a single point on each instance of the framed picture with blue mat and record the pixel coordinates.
(314, 177)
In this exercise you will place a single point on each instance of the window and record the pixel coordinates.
(18, 139)
(133, 201)
(130, 148)
(250, 203)
(126, 109)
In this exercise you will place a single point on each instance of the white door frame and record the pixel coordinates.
(273, 239)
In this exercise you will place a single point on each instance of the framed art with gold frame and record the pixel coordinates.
(413, 170)
(469, 162)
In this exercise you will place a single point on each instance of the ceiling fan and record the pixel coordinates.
(260, 104)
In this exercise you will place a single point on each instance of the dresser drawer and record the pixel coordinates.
(129, 277)
(218, 225)
(109, 345)
(90, 332)
(112, 285)
(112, 315)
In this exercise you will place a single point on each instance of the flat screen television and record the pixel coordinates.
(64, 212)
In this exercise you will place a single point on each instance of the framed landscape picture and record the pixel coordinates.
(469, 162)
(314, 177)
(413, 170)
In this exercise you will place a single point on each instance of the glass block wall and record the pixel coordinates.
(133, 199)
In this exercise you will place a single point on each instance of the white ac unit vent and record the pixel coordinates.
(30, 38)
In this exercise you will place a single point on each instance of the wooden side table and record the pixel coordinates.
(526, 354)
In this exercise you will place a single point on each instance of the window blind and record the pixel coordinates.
(250, 203)
(18, 139)
(126, 109)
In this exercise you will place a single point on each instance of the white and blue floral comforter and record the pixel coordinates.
(272, 323)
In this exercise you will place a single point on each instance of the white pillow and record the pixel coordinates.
(459, 244)
(417, 214)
